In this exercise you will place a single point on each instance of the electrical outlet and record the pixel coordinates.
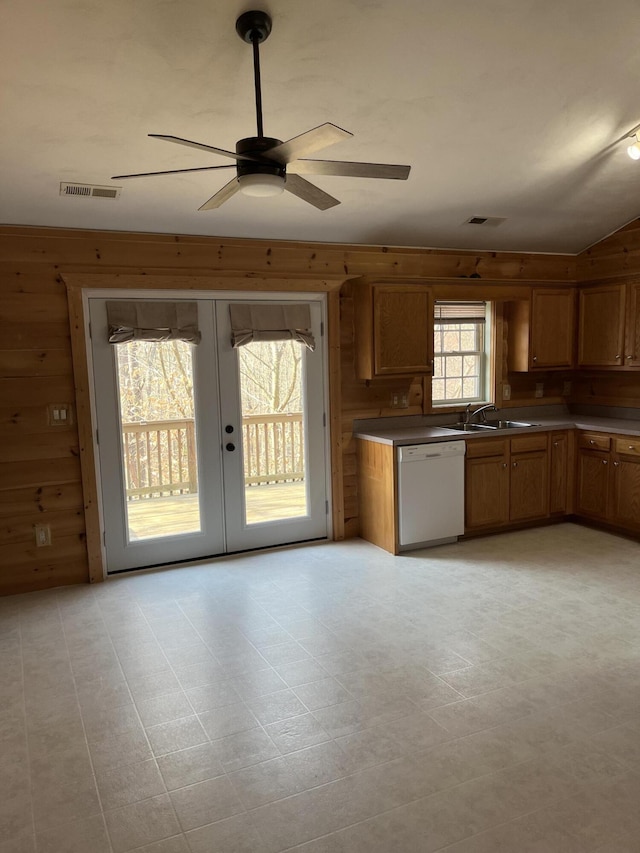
(400, 401)
(42, 534)
(506, 391)
(539, 389)
(566, 388)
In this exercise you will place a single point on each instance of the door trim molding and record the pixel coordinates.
(79, 285)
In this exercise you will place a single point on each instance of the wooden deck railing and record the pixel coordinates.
(273, 448)
(160, 456)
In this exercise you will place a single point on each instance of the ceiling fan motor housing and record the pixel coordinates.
(254, 26)
(254, 146)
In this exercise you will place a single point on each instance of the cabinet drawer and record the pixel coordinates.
(527, 443)
(594, 441)
(490, 447)
(627, 446)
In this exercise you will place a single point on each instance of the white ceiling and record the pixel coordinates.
(503, 108)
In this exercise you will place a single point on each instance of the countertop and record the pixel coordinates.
(399, 437)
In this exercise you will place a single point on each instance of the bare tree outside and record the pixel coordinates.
(270, 375)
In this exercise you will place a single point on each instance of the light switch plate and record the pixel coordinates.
(59, 414)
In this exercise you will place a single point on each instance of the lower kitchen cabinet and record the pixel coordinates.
(608, 487)
(486, 484)
(625, 483)
(529, 480)
(594, 466)
(507, 482)
(560, 472)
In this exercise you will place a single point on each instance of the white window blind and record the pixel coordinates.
(460, 312)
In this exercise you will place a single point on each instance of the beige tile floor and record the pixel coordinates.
(475, 698)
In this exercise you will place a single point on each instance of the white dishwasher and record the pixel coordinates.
(430, 493)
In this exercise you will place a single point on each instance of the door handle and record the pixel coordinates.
(230, 446)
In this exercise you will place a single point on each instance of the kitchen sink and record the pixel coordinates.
(513, 424)
(496, 425)
(470, 427)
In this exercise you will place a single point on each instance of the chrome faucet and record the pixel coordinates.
(469, 415)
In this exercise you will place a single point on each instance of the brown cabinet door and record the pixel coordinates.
(602, 326)
(593, 484)
(632, 337)
(558, 473)
(625, 504)
(402, 330)
(487, 492)
(529, 486)
(552, 327)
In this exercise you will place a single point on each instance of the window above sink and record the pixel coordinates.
(462, 353)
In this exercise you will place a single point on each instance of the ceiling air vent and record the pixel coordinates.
(487, 221)
(89, 191)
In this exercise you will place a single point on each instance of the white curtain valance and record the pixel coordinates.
(153, 321)
(264, 322)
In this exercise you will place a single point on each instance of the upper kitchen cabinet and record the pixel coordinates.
(632, 330)
(394, 329)
(602, 327)
(542, 330)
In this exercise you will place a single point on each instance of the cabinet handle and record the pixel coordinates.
(535, 358)
(515, 464)
(591, 441)
(629, 357)
(632, 447)
(618, 357)
(504, 464)
(605, 462)
(555, 443)
(615, 464)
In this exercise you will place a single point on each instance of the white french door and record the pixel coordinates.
(206, 449)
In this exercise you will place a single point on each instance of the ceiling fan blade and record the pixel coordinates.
(202, 147)
(349, 170)
(307, 143)
(170, 172)
(222, 195)
(310, 192)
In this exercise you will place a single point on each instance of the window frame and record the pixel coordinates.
(486, 373)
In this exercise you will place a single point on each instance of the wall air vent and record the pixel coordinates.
(487, 221)
(89, 191)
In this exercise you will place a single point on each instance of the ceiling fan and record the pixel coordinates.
(266, 166)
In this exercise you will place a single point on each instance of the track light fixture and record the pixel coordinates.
(634, 149)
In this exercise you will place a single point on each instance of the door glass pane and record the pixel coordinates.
(273, 439)
(155, 389)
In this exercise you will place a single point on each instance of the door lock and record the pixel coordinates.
(230, 446)
(228, 428)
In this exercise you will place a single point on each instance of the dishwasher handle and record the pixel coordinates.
(436, 450)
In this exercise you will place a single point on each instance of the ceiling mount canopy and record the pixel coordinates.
(265, 166)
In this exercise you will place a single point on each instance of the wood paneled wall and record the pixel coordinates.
(615, 257)
(39, 468)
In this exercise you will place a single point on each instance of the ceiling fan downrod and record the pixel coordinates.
(254, 28)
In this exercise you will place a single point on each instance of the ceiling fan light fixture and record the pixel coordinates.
(634, 149)
(261, 185)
